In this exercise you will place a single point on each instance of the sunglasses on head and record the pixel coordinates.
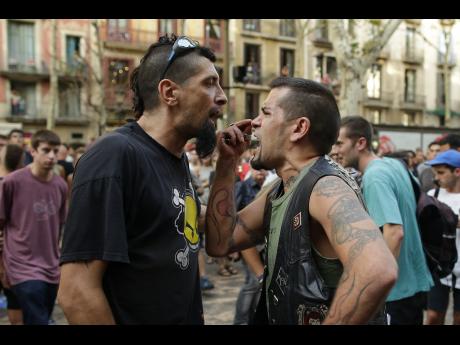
(182, 44)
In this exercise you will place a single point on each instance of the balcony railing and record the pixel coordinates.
(414, 55)
(247, 75)
(136, 38)
(451, 61)
(382, 100)
(412, 102)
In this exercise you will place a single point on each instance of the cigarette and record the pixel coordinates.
(247, 137)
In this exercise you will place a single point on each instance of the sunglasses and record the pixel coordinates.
(182, 45)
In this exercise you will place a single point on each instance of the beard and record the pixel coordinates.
(206, 140)
(351, 162)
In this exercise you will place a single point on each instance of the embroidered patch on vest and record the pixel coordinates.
(297, 222)
(281, 280)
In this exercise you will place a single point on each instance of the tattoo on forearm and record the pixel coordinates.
(253, 236)
(222, 208)
(349, 294)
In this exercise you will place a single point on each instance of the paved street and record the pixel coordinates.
(218, 303)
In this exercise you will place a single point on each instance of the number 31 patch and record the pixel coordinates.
(297, 222)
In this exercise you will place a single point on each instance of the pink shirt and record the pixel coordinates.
(34, 212)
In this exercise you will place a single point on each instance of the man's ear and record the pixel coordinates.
(301, 127)
(168, 92)
(361, 144)
(457, 172)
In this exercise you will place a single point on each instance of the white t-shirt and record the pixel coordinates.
(453, 201)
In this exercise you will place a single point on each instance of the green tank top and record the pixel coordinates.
(330, 269)
(279, 207)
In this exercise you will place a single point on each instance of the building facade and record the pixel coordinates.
(403, 91)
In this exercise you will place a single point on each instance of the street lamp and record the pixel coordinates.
(447, 25)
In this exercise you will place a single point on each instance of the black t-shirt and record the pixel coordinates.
(133, 205)
(68, 167)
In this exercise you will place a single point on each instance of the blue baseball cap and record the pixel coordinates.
(449, 157)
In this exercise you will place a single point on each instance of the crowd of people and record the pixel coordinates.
(326, 228)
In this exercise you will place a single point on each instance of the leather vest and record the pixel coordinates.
(297, 293)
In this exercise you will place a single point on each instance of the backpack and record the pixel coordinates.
(438, 230)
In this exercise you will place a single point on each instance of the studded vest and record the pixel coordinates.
(297, 293)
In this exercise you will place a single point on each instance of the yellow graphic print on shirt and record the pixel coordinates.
(188, 228)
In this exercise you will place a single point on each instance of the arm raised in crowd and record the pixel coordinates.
(226, 230)
(370, 269)
(81, 296)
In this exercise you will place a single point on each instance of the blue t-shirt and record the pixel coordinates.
(390, 199)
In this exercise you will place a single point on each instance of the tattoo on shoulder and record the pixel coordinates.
(344, 214)
(331, 186)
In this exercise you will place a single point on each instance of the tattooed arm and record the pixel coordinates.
(81, 295)
(370, 269)
(226, 230)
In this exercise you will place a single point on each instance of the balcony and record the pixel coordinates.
(412, 102)
(247, 75)
(384, 101)
(28, 72)
(413, 55)
(130, 40)
(321, 39)
(451, 61)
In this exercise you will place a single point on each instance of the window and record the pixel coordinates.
(374, 82)
(287, 27)
(326, 70)
(409, 85)
(214, 35)
(72, 49)
(442, 49)
(118, 30)
(322, 31)
(251, 25)
(166, 26)
(410, 43)
(21, 46)
(375, 116)
(408, 119)
(252, 105)
(69, 100)
(77, 135)
(287, 62)
(252, 63)
(23, 99)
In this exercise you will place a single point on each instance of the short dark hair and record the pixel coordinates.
(146, 77)
(452, 139)
(14, 157)
(45, 136)
(357, 127)
(3, 136)
(433, 143)
(314, 101)
(15, 130)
